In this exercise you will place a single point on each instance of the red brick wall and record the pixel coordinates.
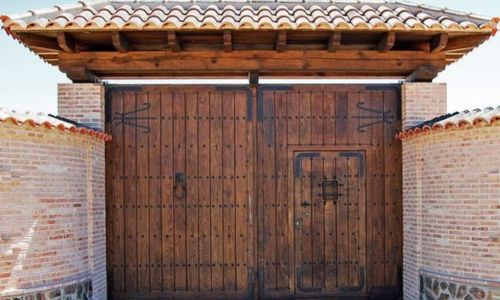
(422, 101)
(451, 202)
(82, 102)
(52, 222)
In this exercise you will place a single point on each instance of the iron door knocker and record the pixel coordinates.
(180, 185)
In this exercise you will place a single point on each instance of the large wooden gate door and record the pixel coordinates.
(330, 222)
(180, 188)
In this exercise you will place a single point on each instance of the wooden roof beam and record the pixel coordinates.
(173, 41)
(79, 74)
(120, 42)
(424, 73)
(228, 41)
(281, 41)
(439, 43)
(387, 42)
(40, 42)
(66, 42)
(334, 41)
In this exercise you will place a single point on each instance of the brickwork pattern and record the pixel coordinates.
(422, 101)
(52, 221)
(451, 205)
(82, 102)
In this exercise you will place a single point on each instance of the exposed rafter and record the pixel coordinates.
(439, 43)
(173, 41)
(387, 42)
(281, 41)
(66, 42)
(228, 41)
(119, 42)
(334, 41)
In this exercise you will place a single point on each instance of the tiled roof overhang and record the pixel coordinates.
(466, 119)
(394, 39)
(49, 122)
(242, 15)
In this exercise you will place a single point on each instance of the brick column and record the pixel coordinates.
(83, 103)
(422, 101)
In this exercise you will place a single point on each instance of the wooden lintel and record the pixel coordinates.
(387, 42)
(228, 41)
(79, 74)
(341, 63)
(40, 42)
(281, 41)
(66, 42)
(424, 73)
(334, 41)
(439, 43)
(173, 41)
(119, 42)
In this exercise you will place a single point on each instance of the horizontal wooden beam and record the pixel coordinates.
(79, 74)
(342, 63)
(40, 42)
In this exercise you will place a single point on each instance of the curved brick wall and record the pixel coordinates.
(451, 200)
(52, 222)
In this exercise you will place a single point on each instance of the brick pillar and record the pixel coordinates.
(83, 103)
(422, 101)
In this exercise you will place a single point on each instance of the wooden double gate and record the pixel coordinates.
(232, 192)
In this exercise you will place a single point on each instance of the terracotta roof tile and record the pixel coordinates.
(246, 14)
(487, 116)
(50, 122)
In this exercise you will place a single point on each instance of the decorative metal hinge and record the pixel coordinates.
(131, 118)
(379, 116)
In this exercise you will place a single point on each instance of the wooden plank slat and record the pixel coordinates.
(329, 118)
(330, 231)
(318, 226)
(155, 192)
(192, 210)
(341, 113)
(353, 223)
(342, 224)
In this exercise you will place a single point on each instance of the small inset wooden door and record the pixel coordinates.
(330, 242)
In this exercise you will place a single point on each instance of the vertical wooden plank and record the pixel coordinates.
(167, 185)
(330, 230)
(317, 221)
(269, 186)
(341, 109)
(293, 124)
(241, 173)
(391, 192)
(353, 223)
(192, 190)
(377, 197)
(317, 130)
(204, 190)
(216, 162)
(155, 195)
(130, 192)
(305, 118)
(353, 120)
(180, 239)
(362, 236)
(282, 230)
(228, 195)
(367, 117)
(306, 197)
(117, 209)
(342, 224)
(143, 192)
(329, 118)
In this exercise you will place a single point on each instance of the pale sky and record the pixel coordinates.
(27, 83)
